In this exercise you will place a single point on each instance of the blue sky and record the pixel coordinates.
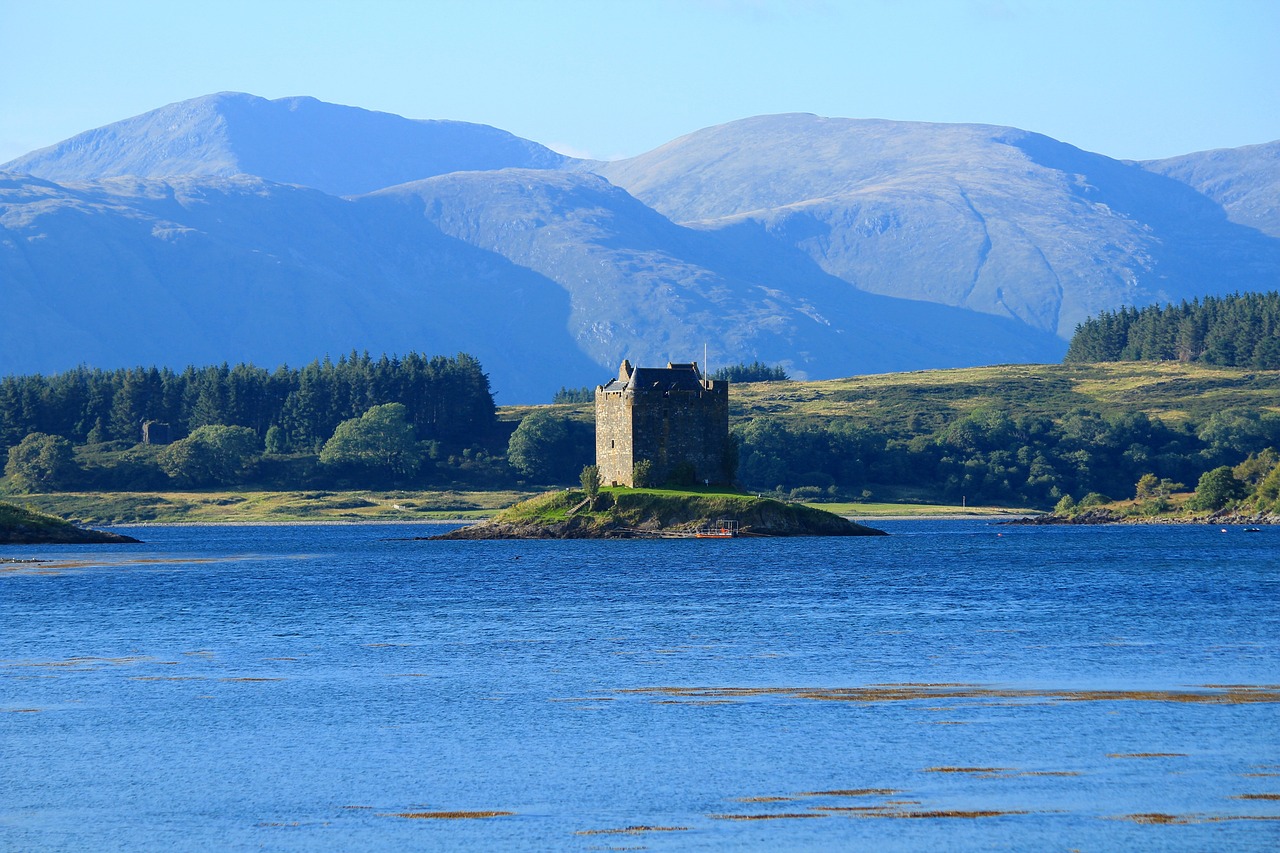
(613, 78)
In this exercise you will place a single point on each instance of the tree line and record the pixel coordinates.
(447, 400)
(988, 456)
(1239, 330)
(358, 420)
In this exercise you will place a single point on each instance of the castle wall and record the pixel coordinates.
(667, 427)
(682, 426)
(614, 455)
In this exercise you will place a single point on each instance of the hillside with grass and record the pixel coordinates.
(1172, 391)
(1005, 435)
(21, 526)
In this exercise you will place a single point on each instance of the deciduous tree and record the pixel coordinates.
(212, 455)
(41, 463)
(381, 440)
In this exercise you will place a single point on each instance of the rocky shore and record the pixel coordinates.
(648, 515)
(1102, 515)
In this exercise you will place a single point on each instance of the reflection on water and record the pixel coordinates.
(954, 686)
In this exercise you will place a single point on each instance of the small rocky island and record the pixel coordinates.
(653, 514)
(20, 526)
(659, 425)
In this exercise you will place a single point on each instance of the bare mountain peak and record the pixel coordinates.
(296, 140)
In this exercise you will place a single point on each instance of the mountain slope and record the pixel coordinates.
(993, 219)
(292, 228)
(339, 150)
(644, 287)
(206, 270)
(550, 278)
(1245, 181)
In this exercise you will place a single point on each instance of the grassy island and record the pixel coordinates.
(20, 526)
(620, 513)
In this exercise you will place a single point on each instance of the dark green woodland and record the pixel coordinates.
(1240, 330)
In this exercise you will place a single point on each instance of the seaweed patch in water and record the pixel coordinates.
(632, 830)
(763, 799)
(1146, 755)
(447, 815)
(853, 792)
(945, 813)
(1157, 819)
(1256, 797)
(778, 816)
(1235, 694)
(82, 663)
(1000, 772)
(1162, 819)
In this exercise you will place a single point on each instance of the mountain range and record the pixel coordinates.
(233, 228)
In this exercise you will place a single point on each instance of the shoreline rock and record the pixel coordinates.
(646, 515)
(1101, 515)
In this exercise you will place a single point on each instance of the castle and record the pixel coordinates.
(669, 416)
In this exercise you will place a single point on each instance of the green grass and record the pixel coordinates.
(224, 507)
(12, 516)
(22, 525)
(671, 509)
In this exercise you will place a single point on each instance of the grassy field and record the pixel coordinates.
(1172, 391)
(98, 508)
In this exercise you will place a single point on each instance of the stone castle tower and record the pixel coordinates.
(666, 415)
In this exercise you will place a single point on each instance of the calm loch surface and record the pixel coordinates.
(954, 686)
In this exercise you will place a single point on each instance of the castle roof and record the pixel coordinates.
(673, 377)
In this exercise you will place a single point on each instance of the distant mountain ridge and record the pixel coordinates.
(989, 218)
(336, 149)
(231, 227)
(1245, 181)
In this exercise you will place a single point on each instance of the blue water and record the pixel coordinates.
(298, 688)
